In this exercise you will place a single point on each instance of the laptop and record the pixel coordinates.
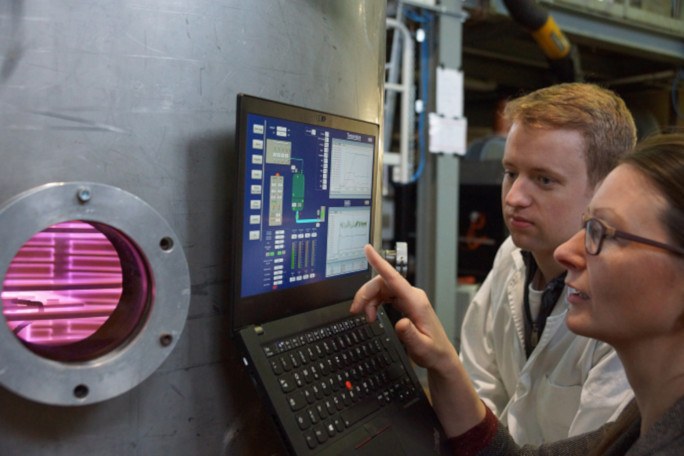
(305, 202)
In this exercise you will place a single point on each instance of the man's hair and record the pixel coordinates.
(598, 114)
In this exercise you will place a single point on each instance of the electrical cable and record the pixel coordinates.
(425, 19)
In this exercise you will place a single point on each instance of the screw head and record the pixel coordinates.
(165, 340)
(83, 194)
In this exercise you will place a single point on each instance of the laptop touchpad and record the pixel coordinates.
(381, 439)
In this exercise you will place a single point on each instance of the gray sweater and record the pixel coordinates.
(665, 438)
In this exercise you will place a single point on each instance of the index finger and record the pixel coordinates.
(396, 283)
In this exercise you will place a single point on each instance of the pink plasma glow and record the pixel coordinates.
(62, 285)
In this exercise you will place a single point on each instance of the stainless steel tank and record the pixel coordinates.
(122, 113)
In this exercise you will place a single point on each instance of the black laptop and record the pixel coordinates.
(307, 194)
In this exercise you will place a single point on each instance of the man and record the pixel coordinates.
(541, 380)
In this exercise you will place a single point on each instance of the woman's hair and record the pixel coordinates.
(660, 158)
(598, 114)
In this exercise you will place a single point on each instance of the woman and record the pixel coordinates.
(626, 272)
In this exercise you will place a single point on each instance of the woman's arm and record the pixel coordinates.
(454, 399)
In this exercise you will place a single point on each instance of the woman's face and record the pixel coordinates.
(629, 291)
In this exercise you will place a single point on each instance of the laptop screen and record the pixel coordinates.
(306, 183)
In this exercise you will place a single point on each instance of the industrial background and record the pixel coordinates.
(130, 105)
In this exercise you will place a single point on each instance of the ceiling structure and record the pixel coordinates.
(501, 59)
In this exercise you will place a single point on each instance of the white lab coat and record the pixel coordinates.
(569, 385)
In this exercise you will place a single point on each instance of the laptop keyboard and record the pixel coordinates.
(334, 376)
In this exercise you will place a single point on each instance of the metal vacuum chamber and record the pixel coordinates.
(117, 158)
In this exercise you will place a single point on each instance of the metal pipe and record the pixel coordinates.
(643, 78)
(392, 79)
(404, 88)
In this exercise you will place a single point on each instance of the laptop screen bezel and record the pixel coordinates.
(276, 304)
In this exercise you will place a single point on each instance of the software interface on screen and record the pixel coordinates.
(307, 205)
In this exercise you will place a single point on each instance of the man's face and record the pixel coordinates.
(545, 187)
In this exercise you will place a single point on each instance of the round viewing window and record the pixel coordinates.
(75, 291)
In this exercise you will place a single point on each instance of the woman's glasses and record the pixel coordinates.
(596, 231)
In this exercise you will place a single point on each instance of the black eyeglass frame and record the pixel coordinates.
(613, 233)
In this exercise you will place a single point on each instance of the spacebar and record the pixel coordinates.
(359, 411)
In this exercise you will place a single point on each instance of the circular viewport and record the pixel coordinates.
(76, 291)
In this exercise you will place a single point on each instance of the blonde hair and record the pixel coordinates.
(598, 114)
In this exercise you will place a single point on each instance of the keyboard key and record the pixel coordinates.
(330, 406)
(303, 421)
(320, 433)
(307, 375)
(313, 416)
(314, 372)
(330, 427)
(322, 413)
(294, 360)
(325, 389)
(339, 425)
(298, 379)
(286, 364)
(277, 366)
(302, 357)
(311, 440)
(322, 368)
(296, 401)
(308, 395)
(395, 371)
(287, 383)
(338, 403)
(393, 353)
(317, 391)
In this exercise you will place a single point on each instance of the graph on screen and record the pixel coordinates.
(351, 171)
(348, 232)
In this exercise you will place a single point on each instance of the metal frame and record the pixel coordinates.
(437, 230)
(78, 383)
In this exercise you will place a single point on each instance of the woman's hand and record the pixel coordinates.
(420, 330)
(455, 401)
